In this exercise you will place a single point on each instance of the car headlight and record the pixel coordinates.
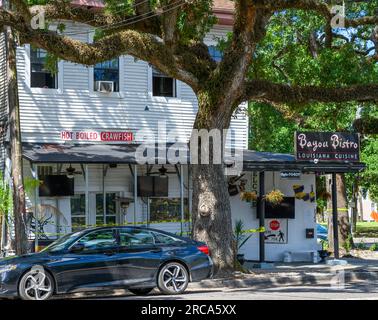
(8, 267)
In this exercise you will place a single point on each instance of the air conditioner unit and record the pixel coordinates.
(105, 86)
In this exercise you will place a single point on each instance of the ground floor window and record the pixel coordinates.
(111, 209)
(164, 209)
(78, 218)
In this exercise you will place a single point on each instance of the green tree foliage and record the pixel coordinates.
(293, 52)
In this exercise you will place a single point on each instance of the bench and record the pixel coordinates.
(288, 255)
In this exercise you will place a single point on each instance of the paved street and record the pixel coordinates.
(360, 291)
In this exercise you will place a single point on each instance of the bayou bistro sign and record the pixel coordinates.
(104, 136)
(327, 146)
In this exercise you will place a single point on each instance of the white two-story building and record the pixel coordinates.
(82, 125)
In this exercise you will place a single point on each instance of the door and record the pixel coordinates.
(95, 266)
(109, 216)
(139, 257)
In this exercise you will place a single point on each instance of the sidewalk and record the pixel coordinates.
(297, 274)
(357, 271)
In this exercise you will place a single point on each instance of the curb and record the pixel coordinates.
(287, 279)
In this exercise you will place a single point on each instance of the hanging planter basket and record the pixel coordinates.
(248, 196)
(275, 197)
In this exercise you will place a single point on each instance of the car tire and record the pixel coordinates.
(141, 291)
(36, 285)
(173, 278)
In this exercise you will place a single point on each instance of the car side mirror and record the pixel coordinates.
(78, 247)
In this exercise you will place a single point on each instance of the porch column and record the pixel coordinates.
(182, 197)
(86, 194)
(103, 195)
(36, 200)
(135, 191)
(190, 196)
(334, 218)
(261, 210)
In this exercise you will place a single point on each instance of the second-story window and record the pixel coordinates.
(162, 85)
(107, 71)
(215, 53)
(40, 76)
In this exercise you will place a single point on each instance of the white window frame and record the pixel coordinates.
(119, 94)
(93, 92)
(48, 91)
(162, 98)
(86, 217)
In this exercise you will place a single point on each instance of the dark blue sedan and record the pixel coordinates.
(138, 259)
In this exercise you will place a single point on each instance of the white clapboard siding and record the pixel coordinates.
(74, 106)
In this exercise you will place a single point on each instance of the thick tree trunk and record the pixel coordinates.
(211, 212)
(344, 229)
(20, 243)
(211, 217)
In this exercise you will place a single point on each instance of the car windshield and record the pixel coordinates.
(62, 242)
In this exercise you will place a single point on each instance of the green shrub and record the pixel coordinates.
(348, 244)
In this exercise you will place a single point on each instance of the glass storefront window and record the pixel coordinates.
(111, 209)
(164, 209)
(78, 220)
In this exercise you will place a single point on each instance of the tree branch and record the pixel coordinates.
(61, 10)
(366, 125)
(22, 8)
(140, 45)
(262, 90)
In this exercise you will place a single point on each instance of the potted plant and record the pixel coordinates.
(248, 196)
(240, 238)
(274, 197)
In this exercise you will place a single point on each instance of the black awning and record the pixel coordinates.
(78, 153)
(126, 154)
(90, 153)
(258, 161)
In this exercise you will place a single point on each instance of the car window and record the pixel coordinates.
(62, 243)
(129, 237)
(100, 239)
(165, 239)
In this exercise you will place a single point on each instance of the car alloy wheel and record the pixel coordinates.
(36, 285)
(173, 278)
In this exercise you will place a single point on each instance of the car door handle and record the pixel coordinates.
(156, 250)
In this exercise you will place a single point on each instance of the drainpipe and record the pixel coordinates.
(182, 197)
(135, 191)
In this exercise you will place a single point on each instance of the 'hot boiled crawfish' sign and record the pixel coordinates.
(327, 146)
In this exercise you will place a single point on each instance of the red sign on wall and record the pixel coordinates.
(116, 136)
(102, 136)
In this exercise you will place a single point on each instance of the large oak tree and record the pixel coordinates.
(169, 35)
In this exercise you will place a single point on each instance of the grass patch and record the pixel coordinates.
(364, 229)
(367, 229)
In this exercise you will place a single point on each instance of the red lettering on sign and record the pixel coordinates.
(116, 136)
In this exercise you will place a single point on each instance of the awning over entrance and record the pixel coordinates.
(126, 153)
(88, 153)
(256, 161)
